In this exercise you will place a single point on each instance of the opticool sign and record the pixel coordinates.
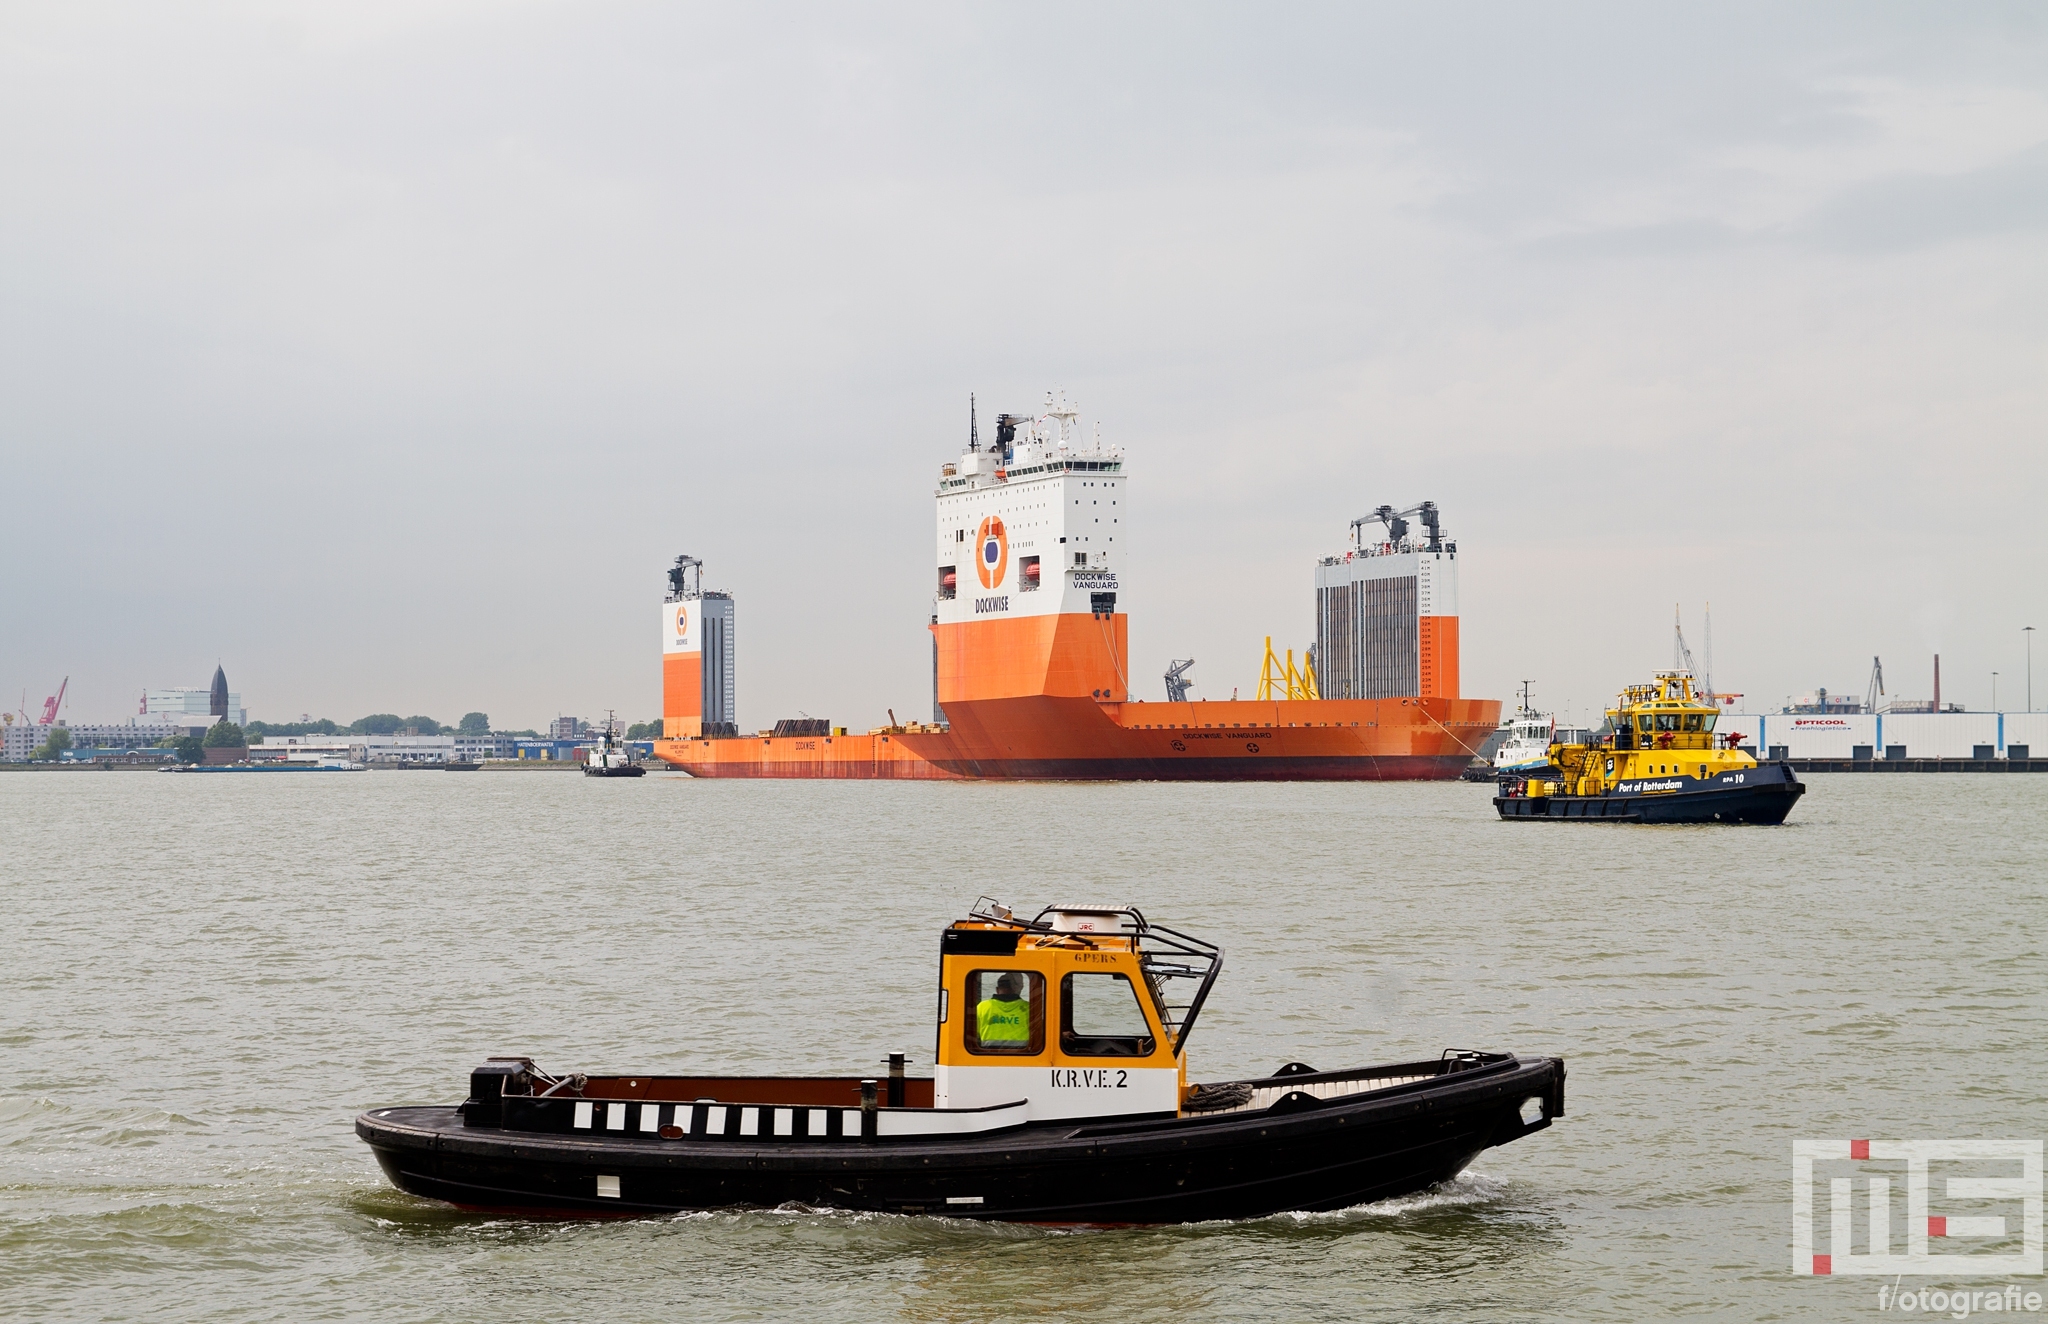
(1819, 724)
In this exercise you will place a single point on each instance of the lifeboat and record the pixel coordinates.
(1657, 759)
(1059, 1095)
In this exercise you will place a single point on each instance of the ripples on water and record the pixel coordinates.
(207, 977)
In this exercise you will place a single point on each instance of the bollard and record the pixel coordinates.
(867, 1109)
(896, 1062)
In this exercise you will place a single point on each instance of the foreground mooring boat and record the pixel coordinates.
(1060, 1095)
(1657, 760)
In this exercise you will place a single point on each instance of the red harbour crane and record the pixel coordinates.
(54, 702)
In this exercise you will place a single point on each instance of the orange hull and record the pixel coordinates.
(1050, 737)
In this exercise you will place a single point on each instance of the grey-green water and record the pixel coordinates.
(205, 978)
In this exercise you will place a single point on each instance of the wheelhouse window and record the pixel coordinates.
(1100, 1016)
(1006, 1013)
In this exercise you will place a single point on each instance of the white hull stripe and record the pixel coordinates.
(717, 1121)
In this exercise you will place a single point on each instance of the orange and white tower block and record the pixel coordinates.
(697, 682)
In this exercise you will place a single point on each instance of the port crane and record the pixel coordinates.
(1876, 688)
(53, 703)
(1397, 523)
(1178, 680)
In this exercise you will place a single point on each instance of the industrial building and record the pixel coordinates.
(216, 702)
(358, 749)
(1890, 735)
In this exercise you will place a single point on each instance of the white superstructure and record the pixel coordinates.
(1528, 742)
(1032, 525)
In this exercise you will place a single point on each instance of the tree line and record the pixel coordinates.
(384, 724)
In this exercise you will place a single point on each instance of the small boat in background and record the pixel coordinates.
(612, 757)
(1530, 735)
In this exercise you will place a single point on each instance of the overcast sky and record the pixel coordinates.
(386, 353)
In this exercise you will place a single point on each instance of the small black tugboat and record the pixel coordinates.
(611, 757)
(1657, 760)
(1060, 1095)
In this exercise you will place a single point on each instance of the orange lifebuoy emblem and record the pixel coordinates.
(993, 558)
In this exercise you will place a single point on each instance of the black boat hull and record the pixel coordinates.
(628, 770)
(1302, 1153)
(1762, 795)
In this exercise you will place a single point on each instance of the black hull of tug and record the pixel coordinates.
(1764, 796)
(1300, 1154)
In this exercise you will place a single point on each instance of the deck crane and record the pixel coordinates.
(1397, 523)
(1876, 688)
(1178, 680)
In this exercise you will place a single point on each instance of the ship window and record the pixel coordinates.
(1100, 1017)
(1643, 723)
(1667, 721)
(1707, 721)
(1008, 1015)
(1692, 722)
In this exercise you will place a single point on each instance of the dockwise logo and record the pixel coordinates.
(995, 553)
(1988, 1193)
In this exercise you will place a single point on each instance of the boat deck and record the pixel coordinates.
(1328, 1086)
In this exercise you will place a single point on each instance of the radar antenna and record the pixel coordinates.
(1681, 656)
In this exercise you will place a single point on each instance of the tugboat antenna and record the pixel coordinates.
(973, 428)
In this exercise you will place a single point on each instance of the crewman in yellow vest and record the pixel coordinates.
(1004, 1018)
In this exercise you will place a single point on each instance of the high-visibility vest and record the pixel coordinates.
(1003, 1021)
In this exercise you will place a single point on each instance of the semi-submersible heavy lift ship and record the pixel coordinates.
(1031, 663)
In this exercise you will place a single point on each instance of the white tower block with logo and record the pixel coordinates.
(697, 671)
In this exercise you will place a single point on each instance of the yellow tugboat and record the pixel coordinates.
(1658, 759)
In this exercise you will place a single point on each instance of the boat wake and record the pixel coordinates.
(1467, 1190)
